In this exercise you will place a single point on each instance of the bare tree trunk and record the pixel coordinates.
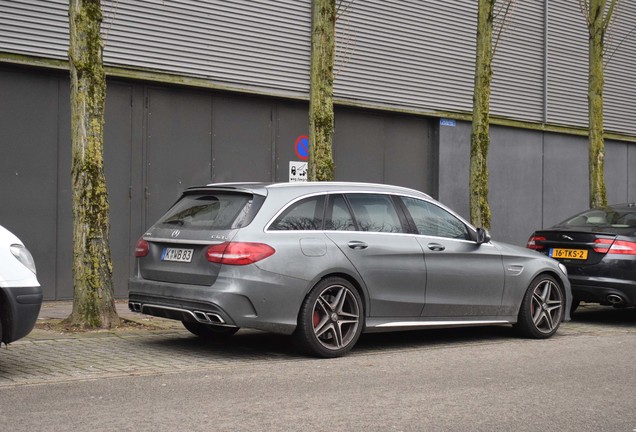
(480, 138)
(597, 26)
(321, 118)
(93, 303)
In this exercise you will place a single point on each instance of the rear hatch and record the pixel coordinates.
(179, 246)
(589, 236)
(572, 247)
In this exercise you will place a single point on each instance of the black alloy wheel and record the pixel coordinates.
(541, 309)
(331, 318)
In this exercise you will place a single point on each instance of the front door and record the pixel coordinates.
(463, 277)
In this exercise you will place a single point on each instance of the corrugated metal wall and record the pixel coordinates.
(567, 67)
(395, 53)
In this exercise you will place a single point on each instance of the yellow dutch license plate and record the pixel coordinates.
(579, 254)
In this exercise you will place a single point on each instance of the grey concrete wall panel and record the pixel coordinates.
(385, 148)
(117, 164)
(118, 135)
(292, 122)
(178, 146)
(359, 142)
(454, 166)
(515, 183)
(243, 137)
(616, 171)
(565, 177)
(410, 155)
(28, 175)
(64, 253)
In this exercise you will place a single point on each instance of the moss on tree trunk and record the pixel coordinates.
(321, 118)
(480, 138)
(93, 303)
(597, 26)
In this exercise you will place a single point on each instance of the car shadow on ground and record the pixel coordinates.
(607, 316)
(250, 344)
(255, 344)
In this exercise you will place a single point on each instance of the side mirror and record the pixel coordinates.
(482, 236)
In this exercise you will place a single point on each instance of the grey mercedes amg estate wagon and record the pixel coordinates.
(326, 261)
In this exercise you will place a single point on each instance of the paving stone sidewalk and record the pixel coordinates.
(163, 346)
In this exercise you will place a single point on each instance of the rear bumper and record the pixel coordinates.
(19, 310)
(259, 304)
(600, 290)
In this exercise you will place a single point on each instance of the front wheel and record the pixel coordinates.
(541, 309)
(330, 319)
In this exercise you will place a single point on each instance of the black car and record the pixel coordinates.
(598, 247)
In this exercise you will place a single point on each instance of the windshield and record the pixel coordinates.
(216, 211)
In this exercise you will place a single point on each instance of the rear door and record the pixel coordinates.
(375, 240)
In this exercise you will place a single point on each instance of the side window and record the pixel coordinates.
(305, 214)
(434, 221)
(375, 213)
(338, 215)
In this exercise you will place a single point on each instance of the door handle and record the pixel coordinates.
(436, 247)
(354, 244)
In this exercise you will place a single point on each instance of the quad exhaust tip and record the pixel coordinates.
(202, 317)
(134, 306)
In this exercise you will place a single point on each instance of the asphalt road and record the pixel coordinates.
(583, 379)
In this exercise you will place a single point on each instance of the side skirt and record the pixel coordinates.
(375, 325)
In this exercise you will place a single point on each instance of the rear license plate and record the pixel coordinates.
(578, 254)
(177, 254)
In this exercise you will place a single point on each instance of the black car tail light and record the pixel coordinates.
(238, 253)
(533, 242)
(142, 248)
(619, 247)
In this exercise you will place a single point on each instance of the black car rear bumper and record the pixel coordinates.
(606, 291)
(19, 310)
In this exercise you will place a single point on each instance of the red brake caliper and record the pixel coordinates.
(316, 319)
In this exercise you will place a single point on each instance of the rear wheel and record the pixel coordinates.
(331, 318)
(541, 309)
(206, 331)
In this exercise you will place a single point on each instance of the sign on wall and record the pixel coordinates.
(297, 171)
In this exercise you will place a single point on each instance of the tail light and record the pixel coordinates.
(619, 247)
(142, 248)
(239, 253)
(533, 240)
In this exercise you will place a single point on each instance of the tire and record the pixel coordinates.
(331, 319)
(206, 331)
(541, 310)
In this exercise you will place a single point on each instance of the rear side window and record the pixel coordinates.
(375, 213)
(306, 214)
(338, 215)
(434, 221)
(214, 211)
